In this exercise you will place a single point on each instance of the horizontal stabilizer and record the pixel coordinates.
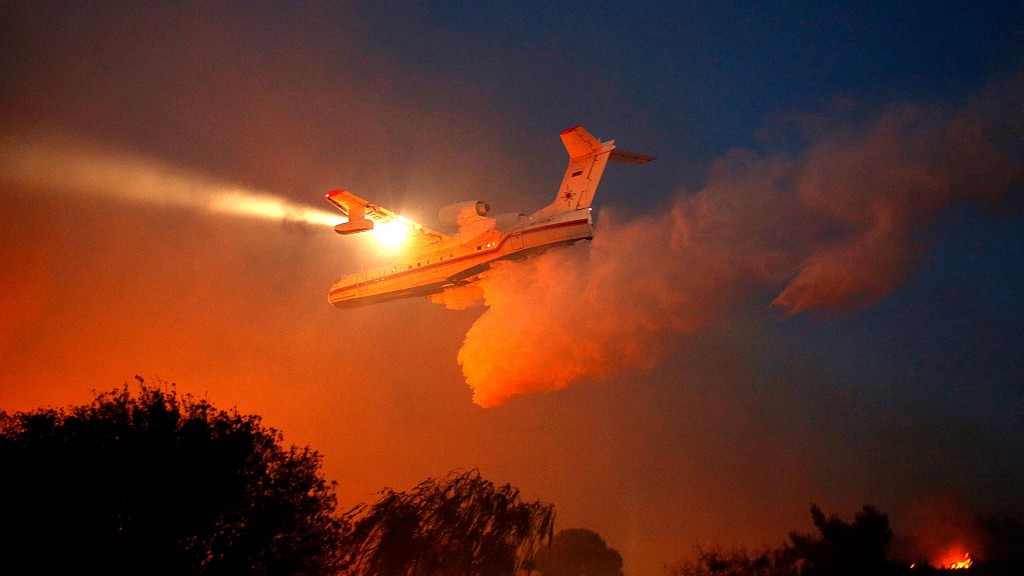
(627, 157)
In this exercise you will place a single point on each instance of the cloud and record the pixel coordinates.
(834, 227)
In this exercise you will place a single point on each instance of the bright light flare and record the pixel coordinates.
(392, 234)
(53, 162)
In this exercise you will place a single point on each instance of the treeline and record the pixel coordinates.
(156, 482)
(161, 483)
(862, 547)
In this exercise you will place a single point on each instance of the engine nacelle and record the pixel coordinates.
(510, 220)
(461, 213)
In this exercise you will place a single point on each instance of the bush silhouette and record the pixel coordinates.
(463, 525)
(158, 483)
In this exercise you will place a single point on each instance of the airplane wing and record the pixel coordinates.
(363, 216)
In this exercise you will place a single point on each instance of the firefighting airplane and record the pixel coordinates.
(437, 261)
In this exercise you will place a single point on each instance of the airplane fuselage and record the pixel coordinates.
(457, 260)
(435, 260)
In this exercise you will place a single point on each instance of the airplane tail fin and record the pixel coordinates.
(587, 159)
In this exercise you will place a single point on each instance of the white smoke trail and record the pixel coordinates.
(53, 162)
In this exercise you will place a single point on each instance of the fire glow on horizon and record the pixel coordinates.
(952, 561)
(955, 560)
(52, 162)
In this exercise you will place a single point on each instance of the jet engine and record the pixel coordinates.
(461, 213)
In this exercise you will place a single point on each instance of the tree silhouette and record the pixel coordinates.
(578, 552)
(860, 548)
(855, 549)
(460, 526)
(161, 484)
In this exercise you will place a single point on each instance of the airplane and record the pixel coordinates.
(436, 261)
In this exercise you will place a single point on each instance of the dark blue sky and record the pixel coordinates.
(708, 75)
(860, 161)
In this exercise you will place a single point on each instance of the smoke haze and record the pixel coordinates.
(690, 409)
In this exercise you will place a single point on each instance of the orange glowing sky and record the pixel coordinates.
(647, 384)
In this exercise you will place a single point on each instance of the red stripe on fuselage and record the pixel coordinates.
(455, 260)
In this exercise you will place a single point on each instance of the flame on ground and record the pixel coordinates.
(956, 560)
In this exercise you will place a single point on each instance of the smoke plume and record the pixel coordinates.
(47, 160)
(833, 227)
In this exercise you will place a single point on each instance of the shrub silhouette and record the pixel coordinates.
(463, 525)
(160, 483)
